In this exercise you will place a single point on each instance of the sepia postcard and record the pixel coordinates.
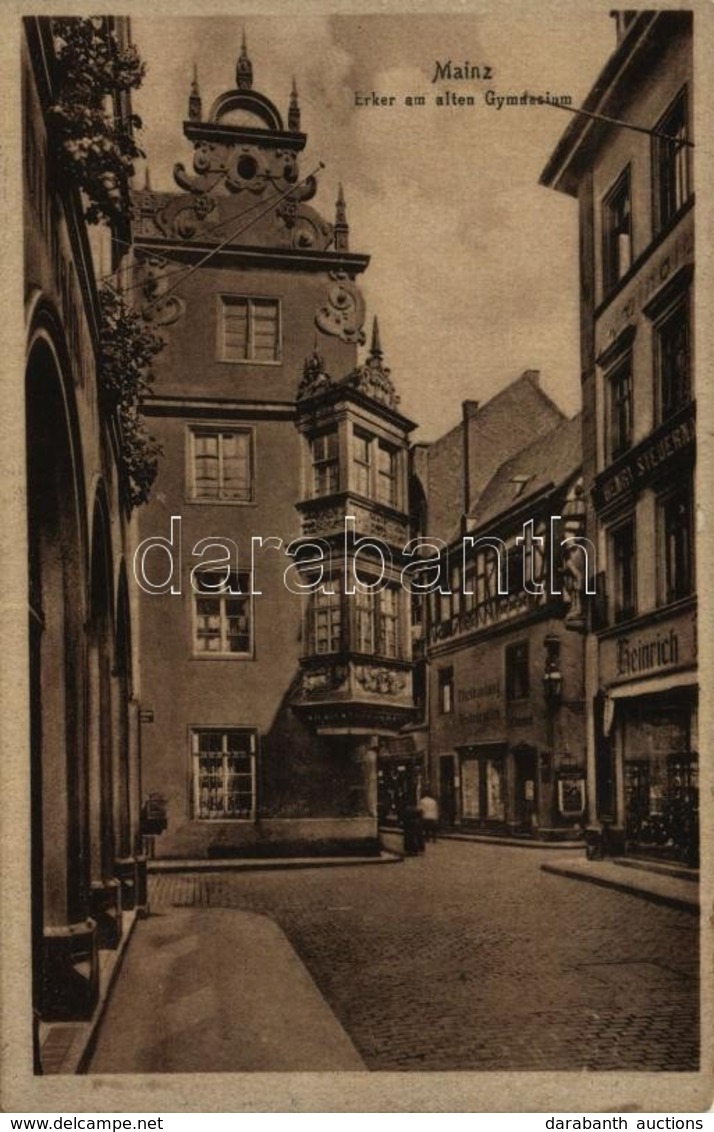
(356, 452)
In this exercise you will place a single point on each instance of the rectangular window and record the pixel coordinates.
(325, 463)
(250, 329)
(670, 162)
(222, 614)
(364, 622)
(389, 623)
(676, 555)
(619, 391)
(222, 465)
(375, 468)
(446, 690)
(386, 475)
(624, 570)
(362, 462)
(616, 233)
(517, 675)
(224, 774)
(327, 619)
(673, 360)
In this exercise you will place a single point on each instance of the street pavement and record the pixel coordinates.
(467, 958)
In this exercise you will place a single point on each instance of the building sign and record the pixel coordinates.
(571, 794)
(646, 459)
(643, 654)
(484, 704)
(650, 650)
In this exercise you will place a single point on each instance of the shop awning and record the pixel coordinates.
(655, 684)
(651, 687)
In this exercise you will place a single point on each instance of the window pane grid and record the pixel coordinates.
(224, 774)
(223, 620)
(222, 466)
(250, 329)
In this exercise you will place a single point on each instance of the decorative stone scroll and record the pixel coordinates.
(342, 315)
(159, 308)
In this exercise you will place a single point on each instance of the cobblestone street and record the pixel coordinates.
(472, 958)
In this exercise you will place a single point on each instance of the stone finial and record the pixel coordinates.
(194, 99)
(244, 68)
(375, 349)
(342, 228)
(294, 109)
(373, 377)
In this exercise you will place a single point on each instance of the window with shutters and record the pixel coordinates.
(224, 778)
(221, 465)
(249, 330)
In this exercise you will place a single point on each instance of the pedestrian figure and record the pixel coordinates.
(429, 809)
(413, 830)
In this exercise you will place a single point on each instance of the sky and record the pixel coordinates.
(473, 271)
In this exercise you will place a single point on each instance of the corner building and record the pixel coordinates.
(635, 196)
(263, 706)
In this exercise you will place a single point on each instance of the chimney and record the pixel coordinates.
(469, 410)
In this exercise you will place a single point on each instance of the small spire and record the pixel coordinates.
(244, 67)
(294, 109)
(147, 178)
(194, 98)
(342, 228)
(375, 350)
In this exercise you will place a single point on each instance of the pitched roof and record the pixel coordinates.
(513, 418)
(547, 462)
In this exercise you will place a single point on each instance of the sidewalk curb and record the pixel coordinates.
(629, 888)
(160, 866)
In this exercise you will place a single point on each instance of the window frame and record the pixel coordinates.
(667, 594)
(620, 611)
(223, 596)
(614, 444)
(331, 605)
(682, 303)
(219, 429)
(225, 300)
(517, 653)
(370, 470)
(195, 731)
(613, 269)
(445, 685)
(324, 462)
(664, 154)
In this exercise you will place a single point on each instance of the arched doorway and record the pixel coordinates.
(64, 966)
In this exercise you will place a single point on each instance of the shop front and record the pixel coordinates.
(651, 724)
(508, 742)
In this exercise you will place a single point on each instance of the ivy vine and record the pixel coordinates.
(96, 144)
(126, 353)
